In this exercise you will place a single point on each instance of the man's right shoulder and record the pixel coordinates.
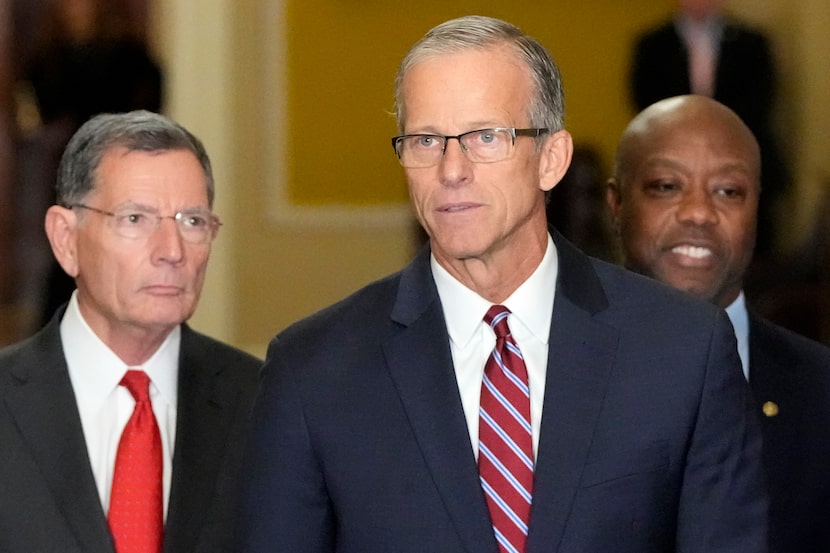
(369, 307)
(44, 343)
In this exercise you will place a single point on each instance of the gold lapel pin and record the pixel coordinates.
(770, 408)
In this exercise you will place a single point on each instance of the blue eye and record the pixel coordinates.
(487, 137)
(427, 141)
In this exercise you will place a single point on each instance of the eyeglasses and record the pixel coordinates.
(480, 146)
(197, 226)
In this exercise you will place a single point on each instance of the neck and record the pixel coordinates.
(496, 276)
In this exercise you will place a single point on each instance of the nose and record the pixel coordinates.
(168, 245)
(697, 207)
(455, 166)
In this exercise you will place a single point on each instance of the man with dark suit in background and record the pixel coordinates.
(684, 200)
(503, 392)
(703, 51)
(120, 426)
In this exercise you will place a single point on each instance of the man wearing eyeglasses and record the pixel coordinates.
(503, 392)
(120, 426)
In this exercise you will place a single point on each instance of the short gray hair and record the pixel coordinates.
(139, 130)
(547, 107)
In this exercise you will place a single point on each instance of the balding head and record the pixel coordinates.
(670, 118)
(684, 196)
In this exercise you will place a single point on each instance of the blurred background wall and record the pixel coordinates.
(293, 102)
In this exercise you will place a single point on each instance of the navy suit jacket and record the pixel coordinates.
(793, 373)
(649, 439)
(48, 498)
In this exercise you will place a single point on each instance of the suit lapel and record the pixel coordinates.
(581, 354)
(421, 367)
(44, 410)
(201, 430)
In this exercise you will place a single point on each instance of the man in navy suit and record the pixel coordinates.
(369, 431)
(684, 200)
(134, 228)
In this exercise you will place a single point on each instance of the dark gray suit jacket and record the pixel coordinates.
(794, 373)
(649, 438)
(48, 498)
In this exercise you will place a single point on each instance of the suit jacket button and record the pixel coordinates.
(770, 408)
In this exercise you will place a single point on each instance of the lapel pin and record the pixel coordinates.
(770, 408)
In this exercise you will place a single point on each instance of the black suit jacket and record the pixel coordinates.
(793, 373)
(649, 438)
(745, 74)
(48, 498)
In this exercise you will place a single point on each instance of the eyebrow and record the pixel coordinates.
(129, 204)
(729, 167)
(474, 126)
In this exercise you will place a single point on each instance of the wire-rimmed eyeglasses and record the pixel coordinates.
(197, 226)
(480, 146)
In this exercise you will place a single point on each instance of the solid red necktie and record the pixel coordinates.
(505, 458)
(135, 515)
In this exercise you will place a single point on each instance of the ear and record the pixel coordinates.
(556, 158)
(613, 197)
(61, 226)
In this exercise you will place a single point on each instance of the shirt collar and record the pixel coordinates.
(739, 316)
(95, 370)
(711, 27)
(530, 303)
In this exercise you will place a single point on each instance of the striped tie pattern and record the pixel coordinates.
(505, 458)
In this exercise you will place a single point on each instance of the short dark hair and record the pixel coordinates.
(136, 131)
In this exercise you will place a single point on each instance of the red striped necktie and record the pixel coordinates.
(505, 457)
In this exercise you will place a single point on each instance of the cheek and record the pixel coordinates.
(415, 187)
(198, 260)
(642, 231)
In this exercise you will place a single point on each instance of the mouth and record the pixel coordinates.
(693, 252)
(455, 208)
(164, 289)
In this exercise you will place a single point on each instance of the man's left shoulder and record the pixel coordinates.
(788, 345)
(741, 32)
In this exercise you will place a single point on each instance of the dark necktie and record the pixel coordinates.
(505, 457)
(135, 515)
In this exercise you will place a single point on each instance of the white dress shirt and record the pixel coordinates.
(740, 323)
(702, 40)
(472, 340)
(105, 407)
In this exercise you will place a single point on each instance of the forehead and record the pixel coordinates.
(167, 176)
(705, 141)
(473, 85)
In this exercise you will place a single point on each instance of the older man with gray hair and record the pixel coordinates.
(121, 426)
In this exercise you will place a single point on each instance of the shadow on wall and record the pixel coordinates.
(794, 290)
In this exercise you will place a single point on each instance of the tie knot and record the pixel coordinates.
(496, 317)
(138, 384)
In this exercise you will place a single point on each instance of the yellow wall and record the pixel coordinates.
(342, 58)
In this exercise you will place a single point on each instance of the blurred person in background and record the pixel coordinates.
(84, 59)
